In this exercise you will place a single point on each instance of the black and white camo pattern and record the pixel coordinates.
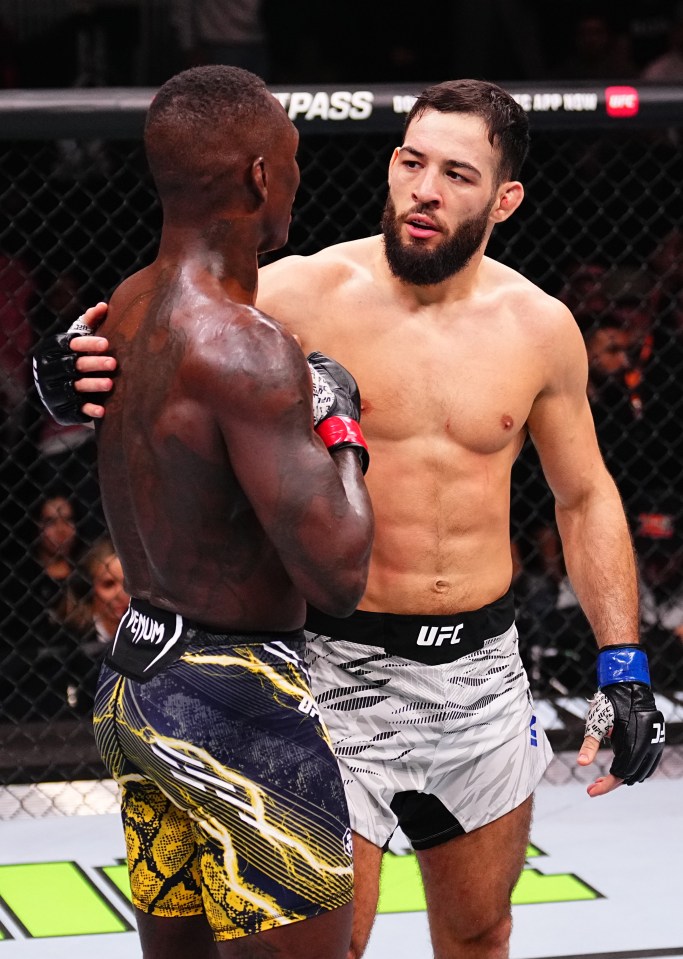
(323, 396)
(600, 719)
(463, 731)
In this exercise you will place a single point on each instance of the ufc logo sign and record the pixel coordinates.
(658, 729)
(437, 635)
(621, 101)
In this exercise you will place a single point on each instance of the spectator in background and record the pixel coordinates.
(668, 67)
(658, 539)
(102, 601)
(648, 23)
(610, 347)
(597, 50)
(666, 269)
(496, 38)
(645, 300)
(39, 654)
(93, 44)
(231, 32)
(582, 291)
(16, 340)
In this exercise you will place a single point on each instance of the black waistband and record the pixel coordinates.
(148, 622)
(426, 639)
(149, 640)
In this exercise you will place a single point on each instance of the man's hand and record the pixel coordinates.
(623, 710)
(336, 407)
(59, 359)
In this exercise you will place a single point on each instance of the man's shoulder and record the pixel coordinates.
(522, 293)
(239, 361)
(324, 267)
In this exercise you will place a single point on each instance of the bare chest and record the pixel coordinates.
(454, 384)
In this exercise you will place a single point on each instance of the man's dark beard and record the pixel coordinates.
(422, 267)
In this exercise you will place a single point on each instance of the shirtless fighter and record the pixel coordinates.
(228, 512)
(458, 358)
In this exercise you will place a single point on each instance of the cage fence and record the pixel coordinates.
(600, 227)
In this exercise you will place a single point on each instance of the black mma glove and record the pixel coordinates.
(54, 372)
(624, 710)
(336, 407)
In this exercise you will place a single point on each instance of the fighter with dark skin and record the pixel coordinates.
(224, 504)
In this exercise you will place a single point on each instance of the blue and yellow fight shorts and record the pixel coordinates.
(232, 801)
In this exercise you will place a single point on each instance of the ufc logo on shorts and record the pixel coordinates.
(438, 635)
(308, 707)
(658, 729)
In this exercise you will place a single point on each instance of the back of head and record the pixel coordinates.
(505, 119)
(203, 128)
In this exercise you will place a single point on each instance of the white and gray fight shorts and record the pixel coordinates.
(431, 719)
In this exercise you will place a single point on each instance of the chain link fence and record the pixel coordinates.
(601, 227)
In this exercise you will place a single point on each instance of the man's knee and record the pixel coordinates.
(479, 937)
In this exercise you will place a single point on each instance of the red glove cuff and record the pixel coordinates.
(339, 431)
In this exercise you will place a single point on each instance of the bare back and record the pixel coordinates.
(175, 439)
(442, 415)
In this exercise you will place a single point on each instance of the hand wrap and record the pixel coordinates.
(54, 373)
(336, 407)
(624, 711)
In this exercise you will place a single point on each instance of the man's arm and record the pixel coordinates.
(68, 374)
(596, 542)
(305, 486)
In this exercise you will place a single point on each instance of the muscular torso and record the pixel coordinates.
(447, 389)
(184, 530)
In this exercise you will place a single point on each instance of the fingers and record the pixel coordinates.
(92, 410)
(95, 364)
(94, 315)
(93, 385)
(604, 785)
(90, 344)
(588, 751)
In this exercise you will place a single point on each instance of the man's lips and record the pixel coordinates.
(421, 227)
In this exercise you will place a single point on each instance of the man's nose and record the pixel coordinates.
(426, 190)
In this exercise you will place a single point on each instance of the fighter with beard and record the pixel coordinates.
(457, 358)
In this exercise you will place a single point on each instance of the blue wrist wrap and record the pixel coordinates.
(622, 664)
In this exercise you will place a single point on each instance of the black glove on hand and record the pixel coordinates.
(54, 372)
(625, 711)
(336, 407)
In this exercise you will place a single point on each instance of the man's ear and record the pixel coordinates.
(508, 197)
(392, 161)
(258, 180)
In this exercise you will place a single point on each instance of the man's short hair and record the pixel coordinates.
(506, 121)
(196, 107)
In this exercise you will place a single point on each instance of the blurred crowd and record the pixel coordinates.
(631, 318)
(142, 42)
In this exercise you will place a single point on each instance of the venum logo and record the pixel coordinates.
(621, 101)
(437, 635)
(144, 629)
